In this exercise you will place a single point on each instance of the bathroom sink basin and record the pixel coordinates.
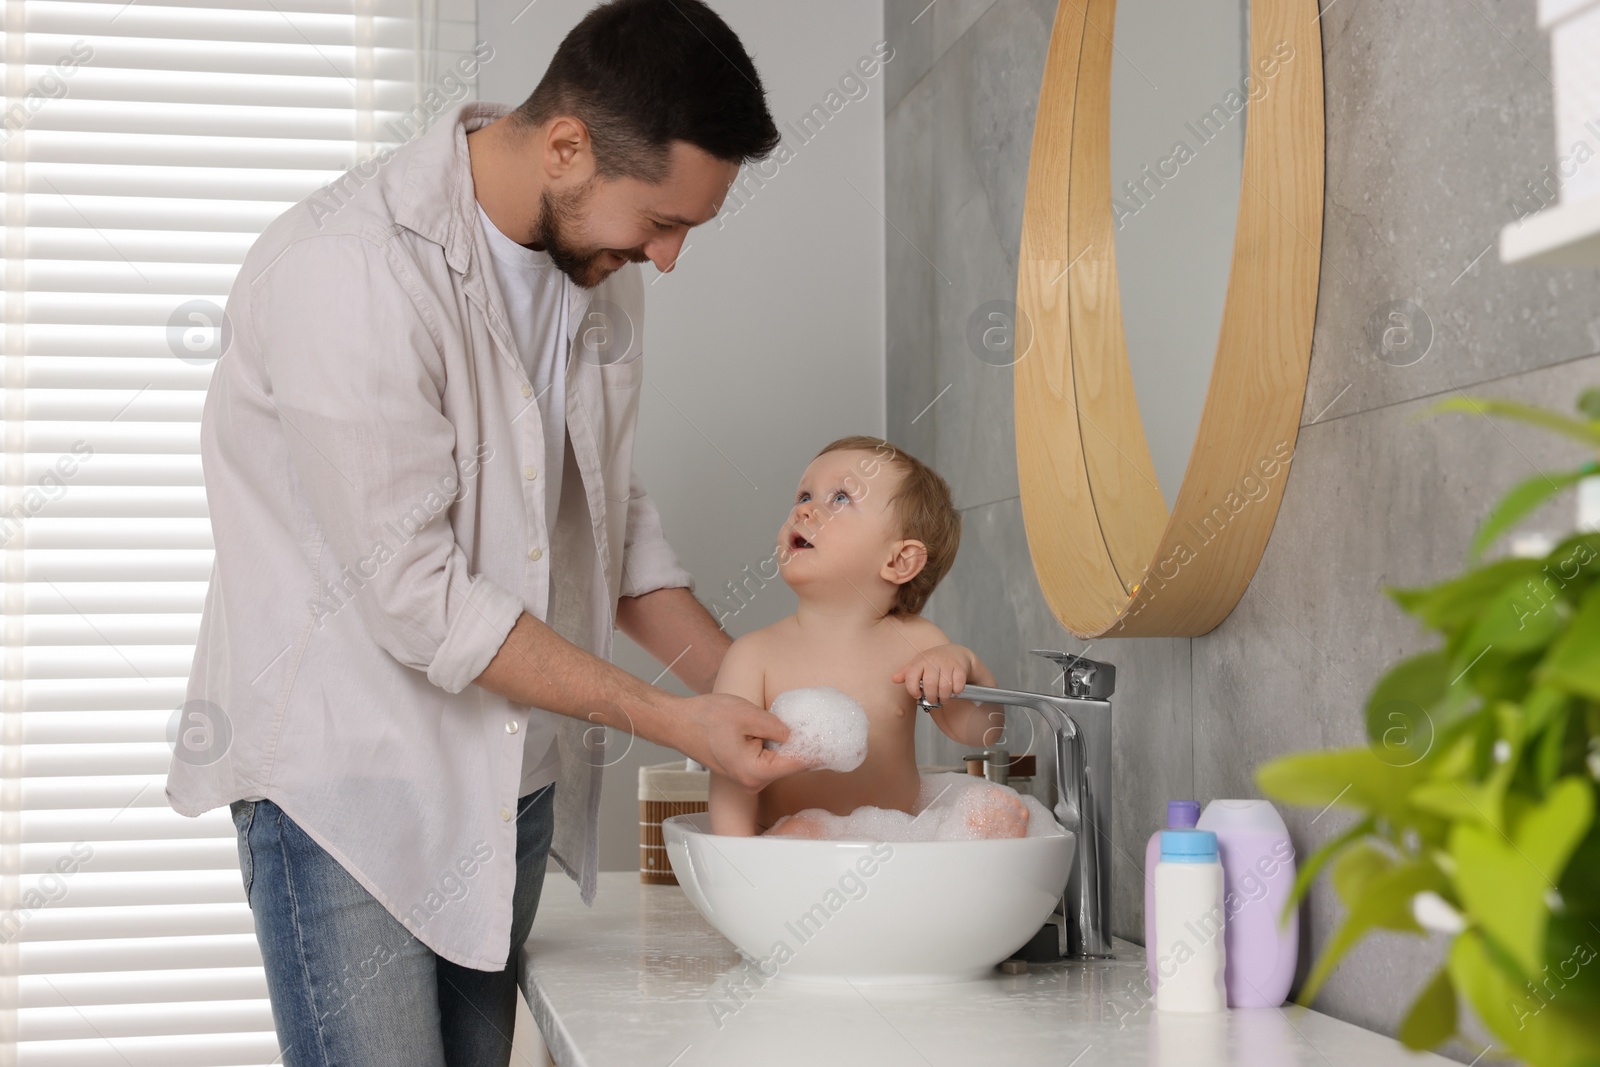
(869, 911)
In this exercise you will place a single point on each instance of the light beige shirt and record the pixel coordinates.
(372, 453)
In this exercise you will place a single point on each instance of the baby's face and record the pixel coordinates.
(841, 526)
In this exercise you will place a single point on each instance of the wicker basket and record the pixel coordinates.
(665, 790)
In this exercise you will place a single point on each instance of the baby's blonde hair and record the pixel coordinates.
(924, 510)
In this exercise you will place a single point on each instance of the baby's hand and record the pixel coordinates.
(941, 672)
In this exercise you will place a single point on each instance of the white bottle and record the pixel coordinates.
(1190, 957)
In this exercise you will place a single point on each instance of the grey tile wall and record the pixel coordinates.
(1438, 115)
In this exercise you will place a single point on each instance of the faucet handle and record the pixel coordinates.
(1086, 679)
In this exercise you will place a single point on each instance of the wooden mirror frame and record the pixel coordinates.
(1109, 557)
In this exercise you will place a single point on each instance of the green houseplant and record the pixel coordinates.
(1475, 795)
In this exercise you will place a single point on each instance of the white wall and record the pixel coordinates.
(767, 341)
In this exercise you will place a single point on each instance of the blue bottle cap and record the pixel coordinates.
(1182, 814)
(1188, 846)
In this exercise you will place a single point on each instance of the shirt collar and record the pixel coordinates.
(437, 198)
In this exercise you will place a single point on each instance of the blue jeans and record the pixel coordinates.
(350, 985)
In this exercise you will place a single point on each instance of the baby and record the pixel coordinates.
(871, 533)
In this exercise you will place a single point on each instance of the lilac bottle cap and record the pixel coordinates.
(1182, 814)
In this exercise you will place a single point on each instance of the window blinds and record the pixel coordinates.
(146, 144)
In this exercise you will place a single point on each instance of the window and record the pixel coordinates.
(146, 144)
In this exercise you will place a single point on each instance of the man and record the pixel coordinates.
(418, 458)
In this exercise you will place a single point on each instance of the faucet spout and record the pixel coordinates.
(1082, 732)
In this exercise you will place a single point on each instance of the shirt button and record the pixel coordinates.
(527, 390)
(511, 727)
(535, 552)
(529, 473)
(505, 814)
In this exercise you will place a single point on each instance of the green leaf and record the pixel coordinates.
(1548, 833)
(1469, 800)
(1545, 704)
(1384, 903)
(1580, 885)
(1318, 860)
(1505, 881)
(1573, 557)
(1577, 429)
(1570, 955)
(1463, 802)
(1589, 403)
(1518, 620)
(1358, 868)
(1432, 1018)
(1519, 503)
(1573, 662)
(1456, 760)
(1348, 777)
(1454, 604)
(1549, 751)
(1563, 1032)
(1500, 674)
(1398, 719)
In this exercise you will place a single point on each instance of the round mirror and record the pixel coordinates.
(1168, 274)
(1177, 155)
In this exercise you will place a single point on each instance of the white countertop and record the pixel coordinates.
(640, 980)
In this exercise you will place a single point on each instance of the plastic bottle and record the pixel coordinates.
(1181, 815)
(1258, 872)
(1190, 924)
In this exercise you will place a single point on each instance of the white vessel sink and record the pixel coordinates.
(870, 912)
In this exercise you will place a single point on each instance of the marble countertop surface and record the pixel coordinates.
(641, 980)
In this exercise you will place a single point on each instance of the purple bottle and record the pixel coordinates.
(1181, 815)
(1258, 872)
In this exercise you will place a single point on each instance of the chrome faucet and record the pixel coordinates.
(1081, 722)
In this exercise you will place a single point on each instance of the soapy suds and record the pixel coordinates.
(949, 807)
(827, 729)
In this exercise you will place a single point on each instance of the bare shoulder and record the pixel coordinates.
(744, 650)
(768, 637)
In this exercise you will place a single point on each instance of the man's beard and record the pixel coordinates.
(559, 215)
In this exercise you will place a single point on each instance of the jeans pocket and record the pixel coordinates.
(244, 813)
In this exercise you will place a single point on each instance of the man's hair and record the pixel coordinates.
(924, 510)
(641, 74)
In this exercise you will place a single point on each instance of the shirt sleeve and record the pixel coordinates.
(648, 562)
(356, 376)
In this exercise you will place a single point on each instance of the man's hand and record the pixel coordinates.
(724, 733)
(537, 666)
(941, 672)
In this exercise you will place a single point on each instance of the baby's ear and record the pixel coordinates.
(910, 556)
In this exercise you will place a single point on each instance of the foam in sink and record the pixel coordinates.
(949, 807)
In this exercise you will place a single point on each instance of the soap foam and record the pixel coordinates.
(949, 807)
(827, 729)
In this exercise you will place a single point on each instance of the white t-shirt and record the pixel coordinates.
(535, 296)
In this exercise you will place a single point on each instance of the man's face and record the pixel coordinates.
(593, 227)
